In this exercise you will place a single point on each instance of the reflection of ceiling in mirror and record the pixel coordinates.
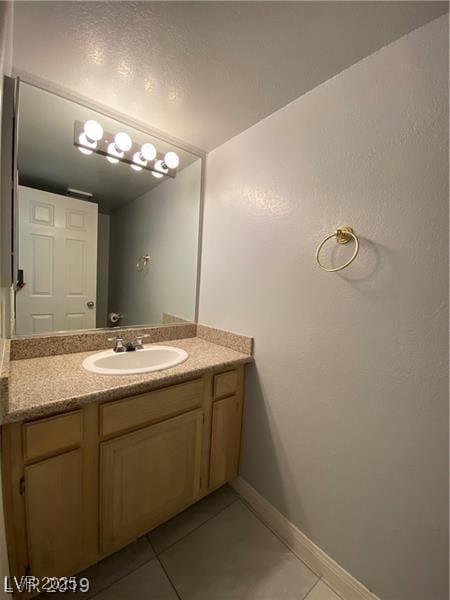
(49, 160)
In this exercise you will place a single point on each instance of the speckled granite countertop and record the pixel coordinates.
(51, 384)
(5, 346)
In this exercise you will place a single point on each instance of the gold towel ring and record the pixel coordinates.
(343, 235)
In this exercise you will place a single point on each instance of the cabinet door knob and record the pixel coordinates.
(90, 304)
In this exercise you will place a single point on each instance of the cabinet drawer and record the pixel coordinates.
(225, 384)
(49, 436)
(131, 413)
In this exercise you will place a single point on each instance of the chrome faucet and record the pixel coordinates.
(136, 344)
(119, 347)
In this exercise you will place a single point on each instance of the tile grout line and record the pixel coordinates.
(195, 528)
(164, 569)
(325, 582)
(122, 577)
(238, 498)
(319, 577)
(315, 584)
(128, 573)
(168, 578)
(157, 555)
(252, 510)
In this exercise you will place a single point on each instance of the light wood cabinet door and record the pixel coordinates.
(225, 440)
(148, 476)
(54, 514)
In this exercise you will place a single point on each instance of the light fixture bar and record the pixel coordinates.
(127, 158)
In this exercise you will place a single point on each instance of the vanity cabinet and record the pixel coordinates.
(54, 513)
(225, 440)
(148, 476)
(80, 485)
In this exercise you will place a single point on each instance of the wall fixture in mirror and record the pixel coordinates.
(90, 137)
(87, 223)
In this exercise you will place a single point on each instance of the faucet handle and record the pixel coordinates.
(138, 339)
(119, 347)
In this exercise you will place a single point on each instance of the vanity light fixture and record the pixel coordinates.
(89, 137)
(112, 152)
(161, 167)
(138, 162)
(91, 134)
(123, 141)
(171, 160)
(93, 130)
(86, 144)
(148, 151)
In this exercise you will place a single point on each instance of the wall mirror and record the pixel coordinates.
(108, 221)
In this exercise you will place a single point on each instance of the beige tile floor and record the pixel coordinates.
(215, 550)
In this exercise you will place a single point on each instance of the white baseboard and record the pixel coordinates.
(323, 565)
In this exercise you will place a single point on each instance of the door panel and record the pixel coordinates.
(42, 214)
(42, 266)
(58, 256)
(225, 440)
(54, 509)
(76, 267)
(77, 321)
(42, 323)
(147, 476)
(75, 220)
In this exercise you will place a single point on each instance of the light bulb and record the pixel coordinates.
(171, 160)
(93, 130)
(85, 142)
(112, 151)
(157, 175)
(160, 166)
(137, 158)
(148, 151)
(136, 167)
(84, 150)
(123, 141)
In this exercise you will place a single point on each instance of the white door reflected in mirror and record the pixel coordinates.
(58, 257)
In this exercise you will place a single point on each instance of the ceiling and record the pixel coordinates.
(203, 71)
(49, 160)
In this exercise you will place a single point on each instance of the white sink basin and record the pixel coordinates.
(150, 358)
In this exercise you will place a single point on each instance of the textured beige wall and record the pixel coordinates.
(346, 426)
